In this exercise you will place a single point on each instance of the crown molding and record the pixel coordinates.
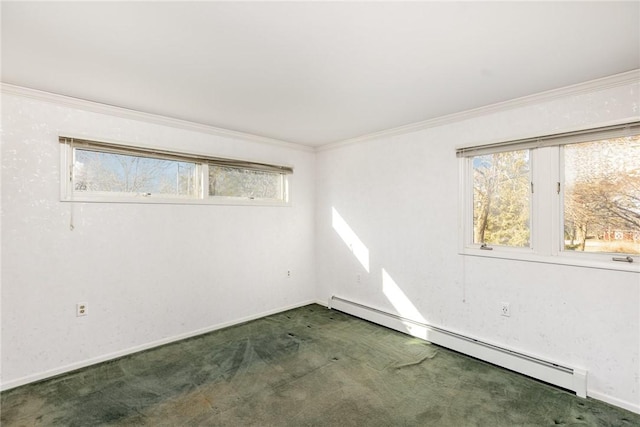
(125, 113)
(604, 83)
(616, 80)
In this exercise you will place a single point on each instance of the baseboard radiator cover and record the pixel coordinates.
(574, 379)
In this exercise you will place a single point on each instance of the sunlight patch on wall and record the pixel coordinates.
(411, 317)
(346, 233)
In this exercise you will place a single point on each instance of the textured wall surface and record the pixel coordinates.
(399, 196)
(149, 272)
(155, 273)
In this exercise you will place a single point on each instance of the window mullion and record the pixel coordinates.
(204, 180)
(555, 188)
(465, 200)
(543, 201)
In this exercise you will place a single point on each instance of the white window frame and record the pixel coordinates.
(468, 202)
(546, 220)
(68, 194)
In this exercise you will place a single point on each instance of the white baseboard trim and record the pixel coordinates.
(614, 401)
(570, 378)
(322, 303)
(126, 352)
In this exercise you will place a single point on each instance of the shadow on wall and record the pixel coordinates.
(410, 315)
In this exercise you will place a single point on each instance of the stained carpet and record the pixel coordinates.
(305, 367)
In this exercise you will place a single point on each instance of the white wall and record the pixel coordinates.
(399, 195)
(153, 273)
(150, 273)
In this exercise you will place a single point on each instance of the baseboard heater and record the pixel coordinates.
(573, 379)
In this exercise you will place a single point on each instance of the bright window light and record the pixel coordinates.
(570, 198)
(111, 172)
(501, 198)
(602, 196)
(349, 237)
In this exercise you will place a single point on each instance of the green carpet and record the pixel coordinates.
(305, 367)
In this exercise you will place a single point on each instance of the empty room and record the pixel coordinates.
(320, 213)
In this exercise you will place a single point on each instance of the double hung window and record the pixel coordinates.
(569, 198)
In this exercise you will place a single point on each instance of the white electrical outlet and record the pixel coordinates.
(82, 309)
(505, 309)
(288, 273)
(358, 278)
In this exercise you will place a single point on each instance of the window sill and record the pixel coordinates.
(229, 201)
(589, 261)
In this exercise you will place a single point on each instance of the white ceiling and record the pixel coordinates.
(313, 72)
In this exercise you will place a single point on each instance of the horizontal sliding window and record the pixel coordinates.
(555, 198)
(106, 172)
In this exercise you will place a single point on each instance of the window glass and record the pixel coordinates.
(501, 198)
(602, 196)
(227, 181)
(99, 171)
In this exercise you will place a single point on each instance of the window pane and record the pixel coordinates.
(246, 183)
(501, 198)
(95, 171)
(602, 196)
